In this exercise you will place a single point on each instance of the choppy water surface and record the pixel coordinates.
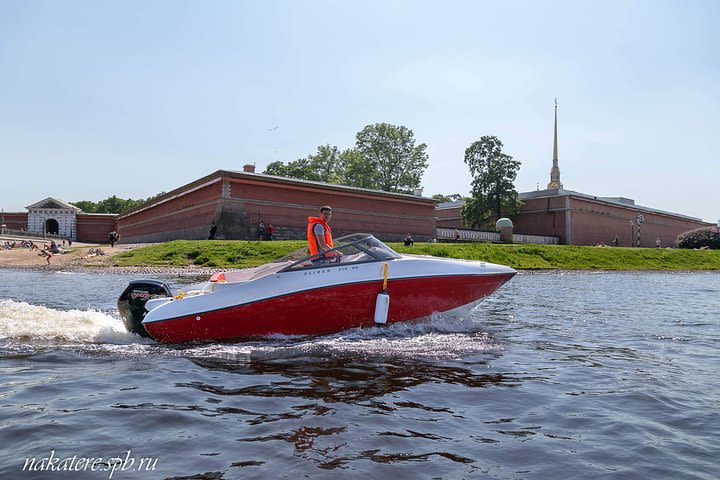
(575, 375)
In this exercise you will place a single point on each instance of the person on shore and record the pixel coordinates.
(270, 230)
(260, 230)
(113, 237)
(319, 234)
(408, 242)
(213, 230)
(46, 254)
(657, 242)
(616, 242)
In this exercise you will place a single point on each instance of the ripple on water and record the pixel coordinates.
(603, 375)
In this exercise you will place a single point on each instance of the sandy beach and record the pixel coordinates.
(79, 258)
(76, 256)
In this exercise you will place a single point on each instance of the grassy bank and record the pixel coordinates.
(207, 253)
(241, 254)
(574, 258)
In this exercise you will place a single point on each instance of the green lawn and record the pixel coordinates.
(240, 254)
(572, 257)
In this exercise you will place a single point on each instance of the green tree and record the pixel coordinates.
(440, 198)
(321, 167)
(493, 193)
(385, 157)
(112, 204)
(355, 171)
(86, 206)
(278, 168)
(390, 152)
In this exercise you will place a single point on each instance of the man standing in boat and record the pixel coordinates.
(319, 234)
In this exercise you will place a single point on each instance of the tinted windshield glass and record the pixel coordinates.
(356, 248)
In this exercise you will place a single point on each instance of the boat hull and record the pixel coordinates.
(328, 309)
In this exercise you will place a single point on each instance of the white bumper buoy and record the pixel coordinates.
(382, 303)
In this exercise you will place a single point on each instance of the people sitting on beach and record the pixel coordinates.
(54, 247)
(93, 252)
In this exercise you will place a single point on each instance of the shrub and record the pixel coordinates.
(700, 237)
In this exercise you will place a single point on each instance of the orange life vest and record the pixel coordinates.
(312, 241)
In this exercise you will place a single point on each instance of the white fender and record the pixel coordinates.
(382, 305)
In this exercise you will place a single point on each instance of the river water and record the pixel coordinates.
(558, 375)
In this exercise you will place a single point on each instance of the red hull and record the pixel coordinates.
(330, 309)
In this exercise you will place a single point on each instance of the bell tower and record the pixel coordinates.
(555, 170)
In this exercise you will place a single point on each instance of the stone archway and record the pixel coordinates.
(51, 226)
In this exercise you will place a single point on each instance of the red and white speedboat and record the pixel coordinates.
(358, 283)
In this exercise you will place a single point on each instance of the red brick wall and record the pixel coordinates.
(185, 216)
(16, 220)
(542, 216)
(537, 217)
(594, 222)
(284, 204)
(591, 221)
(287, 207)
(94, 228)
(449, 217)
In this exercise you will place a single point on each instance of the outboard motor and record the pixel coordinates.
(132, 303)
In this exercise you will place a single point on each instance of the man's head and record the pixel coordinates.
(325, 213)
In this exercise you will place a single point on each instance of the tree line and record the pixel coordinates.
(112, 204)
(385, 157)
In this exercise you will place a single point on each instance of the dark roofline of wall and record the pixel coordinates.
(324, 185)
(219, 174)
(445, 205)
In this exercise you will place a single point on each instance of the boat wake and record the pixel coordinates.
(20, 321)
(26, 327)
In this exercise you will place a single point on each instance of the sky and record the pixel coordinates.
(132, 98)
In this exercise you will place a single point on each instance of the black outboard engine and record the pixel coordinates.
(132, 303)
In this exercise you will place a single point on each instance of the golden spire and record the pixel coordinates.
(555, 170)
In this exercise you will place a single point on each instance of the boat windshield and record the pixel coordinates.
(355, 248)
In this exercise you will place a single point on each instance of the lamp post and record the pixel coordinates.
(640, 220)
(632, 233)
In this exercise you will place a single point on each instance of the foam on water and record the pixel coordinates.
(35, 323)
(439, 336)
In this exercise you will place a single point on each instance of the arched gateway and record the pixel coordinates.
(54, 217)
(52, 227)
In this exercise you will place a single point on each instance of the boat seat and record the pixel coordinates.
(218, 277)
